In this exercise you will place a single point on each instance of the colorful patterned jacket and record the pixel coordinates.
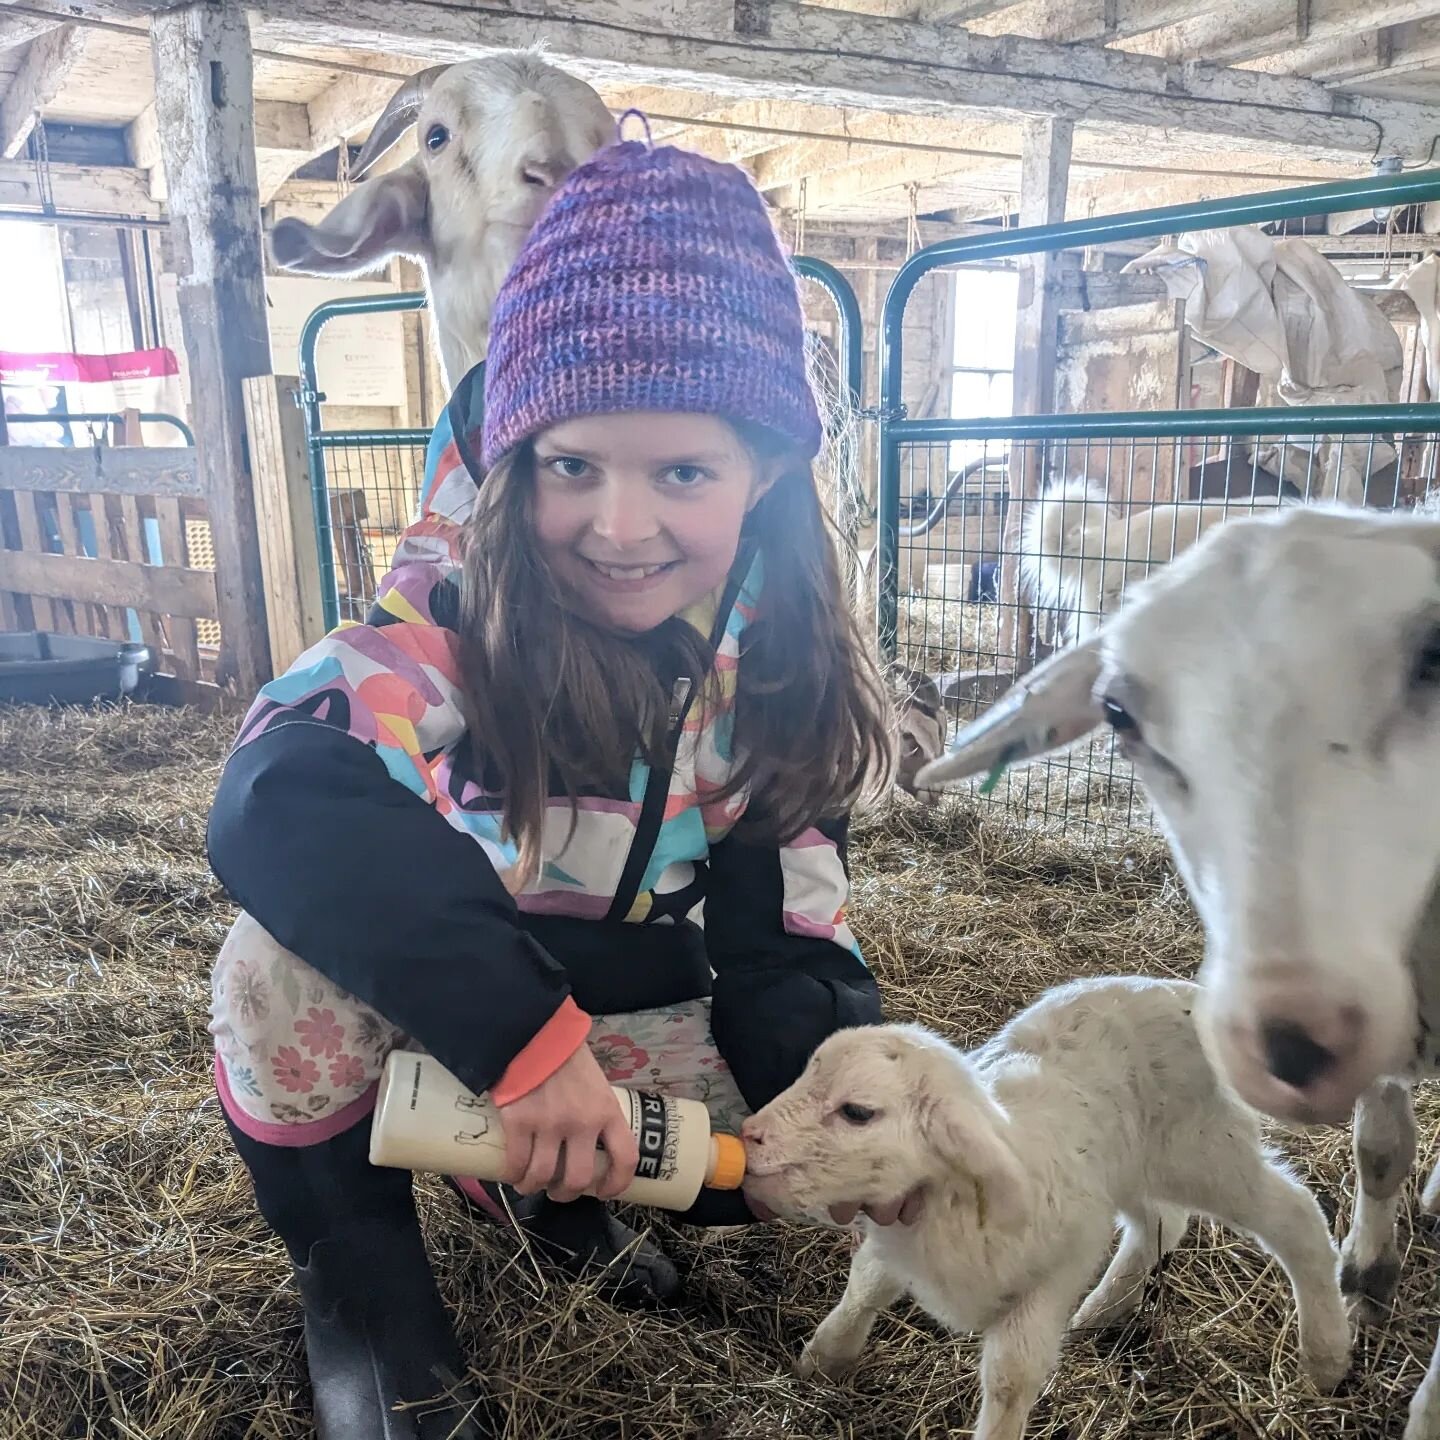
(350, 821)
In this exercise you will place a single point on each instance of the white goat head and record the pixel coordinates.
(496, 136)
(879, 1111)
(1278, 690)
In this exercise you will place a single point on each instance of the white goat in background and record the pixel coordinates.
(496, 136)
(1278, 691)
(1096, 1102)
(1077, 554)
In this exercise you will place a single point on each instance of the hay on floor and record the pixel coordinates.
(141, 1297)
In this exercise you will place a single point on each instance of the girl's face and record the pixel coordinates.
(639, 515)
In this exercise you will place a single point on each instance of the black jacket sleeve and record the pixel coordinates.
(365, 882)
(777, 995)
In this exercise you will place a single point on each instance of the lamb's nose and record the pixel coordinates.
(1292, 1056)
(751, 1133)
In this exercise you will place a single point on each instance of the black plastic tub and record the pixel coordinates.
(38, 668)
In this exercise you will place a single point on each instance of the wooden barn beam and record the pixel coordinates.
(761, 125)
(810, 158)
(859, 61)
(1399, 50)
(109, 190)
(17, 30)
(353, 103)
(282, 139)
(1044, 184)
(832, 185)
(1249, 29)
(204, 85)
(1365, 53)
(1120, 194)
(1069, 21)
(42, 74)
(884, 170)
(957, 12)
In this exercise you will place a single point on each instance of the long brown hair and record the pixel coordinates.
(554, 699)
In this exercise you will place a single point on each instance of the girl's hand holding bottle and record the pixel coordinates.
(552, 1132)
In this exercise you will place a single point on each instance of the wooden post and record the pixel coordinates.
(1044, 180)
(289, 551)
(204, 104)
(16, 612)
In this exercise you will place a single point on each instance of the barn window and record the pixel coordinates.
(35, 311)
(983, 362)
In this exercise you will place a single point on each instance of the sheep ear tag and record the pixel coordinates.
(1049, 709)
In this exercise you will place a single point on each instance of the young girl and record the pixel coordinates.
(571, 807)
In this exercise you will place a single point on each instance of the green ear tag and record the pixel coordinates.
(1001, 765)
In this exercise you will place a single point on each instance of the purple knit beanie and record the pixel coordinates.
(653, 281)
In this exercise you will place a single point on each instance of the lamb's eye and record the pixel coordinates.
(437, 137)
(1120, 720)
(1425, 667)
(856, 1114)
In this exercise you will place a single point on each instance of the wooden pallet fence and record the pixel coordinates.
(92, 537)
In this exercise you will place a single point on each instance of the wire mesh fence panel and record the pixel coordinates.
(1000, 540)
(991, 581)
(372, 486)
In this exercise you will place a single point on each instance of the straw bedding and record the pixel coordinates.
(140, 1296)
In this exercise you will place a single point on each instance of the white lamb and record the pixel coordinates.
(497, 135)
(1095, 1102)
(1078, 555)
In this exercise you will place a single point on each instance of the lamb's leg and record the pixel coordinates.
(1150, 1234)
(1384, 1146)
(1424, 1422)
(1254, 1193)
(840, 1340)
(1020, 1352)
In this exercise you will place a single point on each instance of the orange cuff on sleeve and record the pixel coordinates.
(550, 1047)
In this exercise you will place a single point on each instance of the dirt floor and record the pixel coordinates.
(141, 1297)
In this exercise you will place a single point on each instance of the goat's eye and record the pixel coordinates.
(1120, 720)
(437, 137)
(1425, 668)
(856, 1114)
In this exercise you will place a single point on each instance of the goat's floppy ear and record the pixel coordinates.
(387, 215)
(965, 1132)
(1049, 709)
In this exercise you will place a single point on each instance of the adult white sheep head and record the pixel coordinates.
(495, 138)
(1278, 690)
(879, 1112)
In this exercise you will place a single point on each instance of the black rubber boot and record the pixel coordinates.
(377, 1336)
(583, 1238)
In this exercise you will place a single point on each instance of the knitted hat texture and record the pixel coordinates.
(654, 281)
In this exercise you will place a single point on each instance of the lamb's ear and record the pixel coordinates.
(964, 1129)
(1049, 709)
(387, 215)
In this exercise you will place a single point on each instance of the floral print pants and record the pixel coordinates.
(297, 1058)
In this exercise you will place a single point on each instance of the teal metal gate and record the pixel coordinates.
(979, 638)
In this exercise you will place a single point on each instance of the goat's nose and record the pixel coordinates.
(1292, 1056)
